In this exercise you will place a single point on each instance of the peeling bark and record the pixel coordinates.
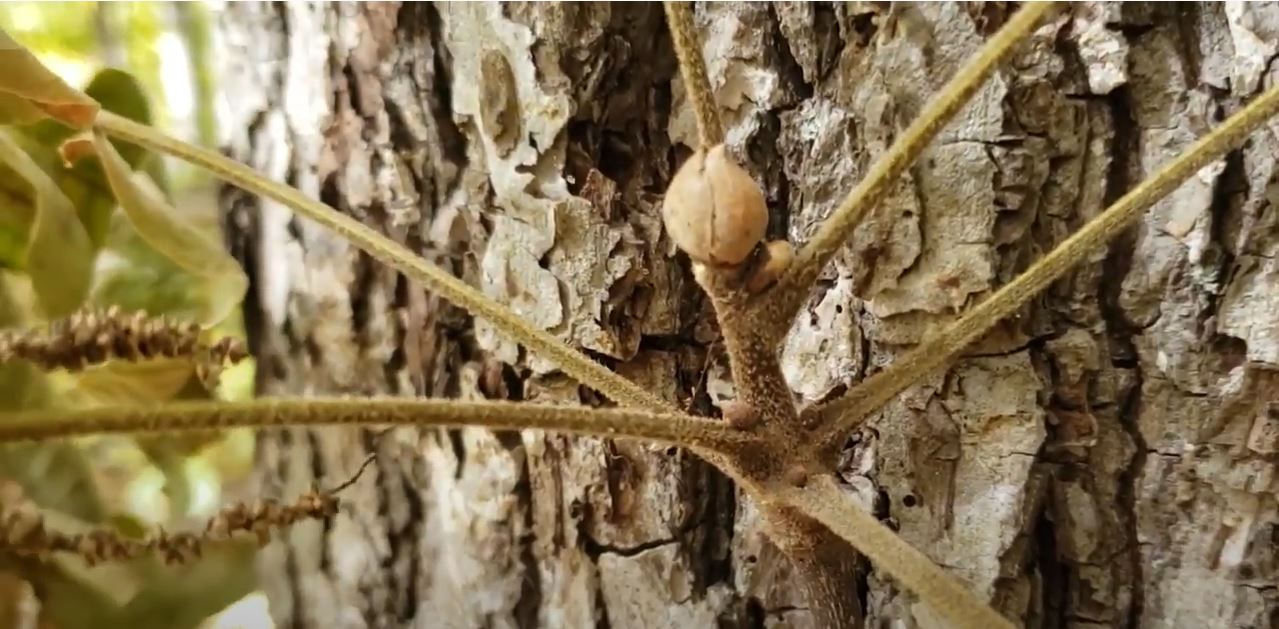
(1105, 459)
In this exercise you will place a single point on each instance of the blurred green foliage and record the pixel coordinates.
(84, 182)
(104, 232)
(52, 28)
(56, 253)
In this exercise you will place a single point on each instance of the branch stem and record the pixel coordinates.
(697, 84)
(670, 428)
(392, 254)
(839, 416)
(948, 597)
(793, 287)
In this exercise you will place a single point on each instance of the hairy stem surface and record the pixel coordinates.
(793, 287)
(827, 567)
(753, 355)
(392, 254)
(839, 416)
(697, 85)
(670, 428)
(822, 500)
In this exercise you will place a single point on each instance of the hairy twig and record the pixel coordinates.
(697, 85)
(753, 318)
(796, 282)
(822, 500)
(781, 462)
(92, 336)
(836, 418)
(368, 460)
(737, 275)
(670, 428)
(392, 254)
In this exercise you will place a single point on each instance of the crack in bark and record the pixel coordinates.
(1116, 265)
(417, 513)
(594, 549)
(529, 602)
(1053, 572)
(291, 567)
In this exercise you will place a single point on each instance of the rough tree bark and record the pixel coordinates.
(1107, 459)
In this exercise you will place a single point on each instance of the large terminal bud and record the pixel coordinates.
(714, 210)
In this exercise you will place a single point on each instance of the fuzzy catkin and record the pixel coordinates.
(93, 336)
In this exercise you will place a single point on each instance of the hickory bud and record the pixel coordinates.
(714, 210)
(771, 262)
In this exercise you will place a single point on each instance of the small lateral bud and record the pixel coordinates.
(714, 210)
(795, 476)
(739, 415)
(772, 262)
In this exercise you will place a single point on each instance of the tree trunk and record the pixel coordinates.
(1106, 459)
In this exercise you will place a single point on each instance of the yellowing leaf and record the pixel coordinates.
(30, 92)
(75, 148)
(58, 256)
(119, 383)
(160, 225)
(17, 110)
(84, 183)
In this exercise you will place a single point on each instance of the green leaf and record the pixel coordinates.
(159, 224)
(57, 255)
(144, 593)
(181, 597)
(83, 183)
(171, 462)
(133, 276)
(55, 476)
(121, 93)
(118, 383)
(22, 386)
(30, 92)
(152, 382)
(15, 220)
(68, 601)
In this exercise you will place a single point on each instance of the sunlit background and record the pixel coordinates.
(165, 45)
(169, 47)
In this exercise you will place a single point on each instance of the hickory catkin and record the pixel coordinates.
(714, 210)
